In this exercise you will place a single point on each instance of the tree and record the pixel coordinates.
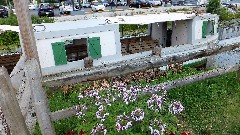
(213, 6)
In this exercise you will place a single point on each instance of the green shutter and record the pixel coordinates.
(204, 29)
(94, 47)
(59, 53)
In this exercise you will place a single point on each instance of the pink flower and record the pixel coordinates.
(118, 127)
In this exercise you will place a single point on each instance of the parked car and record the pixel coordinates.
(14, 11)
(105, 3)
(32, 7)
(97, 6)
(123, 3)
(77, 6)
(3, 12)
(56, 5)
(155, 2)
(119, 3)
(86, 5)
(45, 11)
(140, 3)
(45, 5)
(68, 9)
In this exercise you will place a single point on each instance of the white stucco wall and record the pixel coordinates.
(197, 26)
(198, 29)
(159, 32)
(226, 33)
(45, 52)
(180, 32)
(107, 41)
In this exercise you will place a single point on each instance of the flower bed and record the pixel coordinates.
(123, 109)
(121, 106)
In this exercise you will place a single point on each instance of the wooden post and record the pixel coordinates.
(33, 67)
(39, 96)
(157, 51)
(10, 106)
(88, 62)
(26, 29)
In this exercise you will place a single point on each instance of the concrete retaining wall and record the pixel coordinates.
(230, 32)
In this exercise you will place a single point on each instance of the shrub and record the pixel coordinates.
(12, 20)
(9, 39)
(224, 14)
(213, 6)
(39, 20)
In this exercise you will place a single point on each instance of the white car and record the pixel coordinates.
(14, 11)
(32, 7)
(124, 3)
(97, 6)
(86, 5)
(155, 2)
(67, 9)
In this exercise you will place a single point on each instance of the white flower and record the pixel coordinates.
(151, 129)
(80, 96)
(176, 107)
(99, 129)
(137, 115)
(120, 120)
(118, 126)
(156, 132)
(158, 129)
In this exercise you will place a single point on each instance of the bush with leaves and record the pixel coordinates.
(9, 39)
(224, 14)
(12, 20)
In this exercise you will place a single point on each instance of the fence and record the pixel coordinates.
(16, 120)
(9, 60)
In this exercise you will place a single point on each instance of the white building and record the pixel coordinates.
(62, 46)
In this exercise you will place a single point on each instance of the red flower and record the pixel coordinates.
(82, 132)
(70, 132)
(186, 133)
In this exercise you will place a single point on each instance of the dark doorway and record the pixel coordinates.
(169, 38)
(76, 49)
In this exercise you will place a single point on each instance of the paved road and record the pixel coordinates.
(83, 10)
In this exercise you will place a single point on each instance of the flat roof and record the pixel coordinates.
(68, 25)
(148, 18)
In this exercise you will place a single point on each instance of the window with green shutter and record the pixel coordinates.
(94, 47)
(204, 29)
(59, 53)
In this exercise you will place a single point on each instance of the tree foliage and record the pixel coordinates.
(213, 6)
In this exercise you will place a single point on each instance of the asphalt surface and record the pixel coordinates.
(83, 10)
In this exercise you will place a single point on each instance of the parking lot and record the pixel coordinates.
(83, 10)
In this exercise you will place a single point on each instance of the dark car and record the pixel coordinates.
(45, 12)
(77, 6)
(139, 4)
(3, 12)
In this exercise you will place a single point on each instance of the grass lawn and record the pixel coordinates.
(211, 106)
